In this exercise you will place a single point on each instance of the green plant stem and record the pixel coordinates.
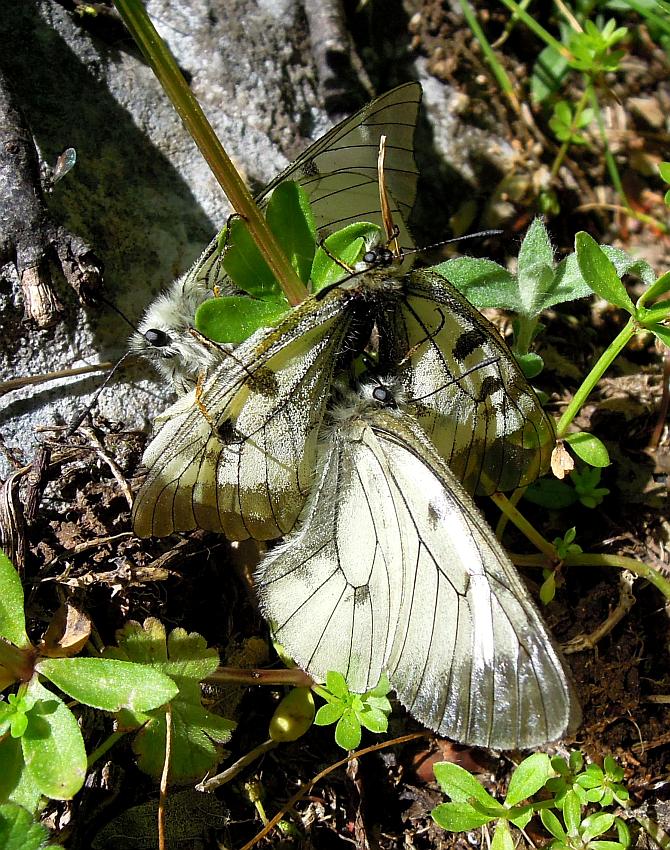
(514, 500)
(164, 66)
(239, 676)
(499, 72)
(601, 366)
(609, 159)
(653, 576)
(539, 30)
(560, 156)
(106, 745)
(524, 526)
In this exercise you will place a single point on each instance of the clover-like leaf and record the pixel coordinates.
(195, 732)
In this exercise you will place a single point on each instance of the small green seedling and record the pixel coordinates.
(574, 817)
(539, 283)
(42, 751)
(352, 711)
(586, 487)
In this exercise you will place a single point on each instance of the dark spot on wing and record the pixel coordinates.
(467, 343)
(490, 385)
(309, 168)
(226, 431)
(433, 515)
(361, 595)
(264, 382)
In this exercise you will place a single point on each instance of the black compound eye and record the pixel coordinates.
(370, 257)
(157, 338)
(383, 395)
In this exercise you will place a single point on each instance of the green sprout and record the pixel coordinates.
(352, 711)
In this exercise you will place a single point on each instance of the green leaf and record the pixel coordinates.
(551, 493)
(374, 720)
(290, 218)
(348, 731)
(572, 813)
(349, 245)
(234, 318)
(483, 282)
(186, 659)
(548, 73)
(623, 832)
(53, 747)
(535, 248)
(588, 448)
(382, 687)
(502, 837)
(528, 778)
(553, 825)
(625, 264)
(460, 785)
(108, 684)
(458, 817)
(605, 845)
(337, 684)
(18, 830)
(596, 824)
(293, 716)
(16, 783)
(12, 618)
(664, 171)
(548, 588)
(195, 733)
(662, 332)
(245, 265)
(599, 272)
(568, 284)
(329, 713)
(658, 287)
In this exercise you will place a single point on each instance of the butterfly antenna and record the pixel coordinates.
(119, 312)
(479, 235)
(79, 417)
(490, 362)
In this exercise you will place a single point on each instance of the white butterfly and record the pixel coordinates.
(339, 174)
(393, 569)
(237, 454)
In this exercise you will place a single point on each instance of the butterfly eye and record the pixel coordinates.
(379, 257)
(157, 338)
(384, 396)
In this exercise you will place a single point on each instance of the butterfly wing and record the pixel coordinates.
(472, 399)
(472, 658)
(339, 171)
(393, 568)
(331, 588)
(236, 455)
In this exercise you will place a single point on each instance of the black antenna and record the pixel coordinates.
(79, 417)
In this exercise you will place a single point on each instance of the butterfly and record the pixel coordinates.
(339, 174)
(237, 453)
(392, 569)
